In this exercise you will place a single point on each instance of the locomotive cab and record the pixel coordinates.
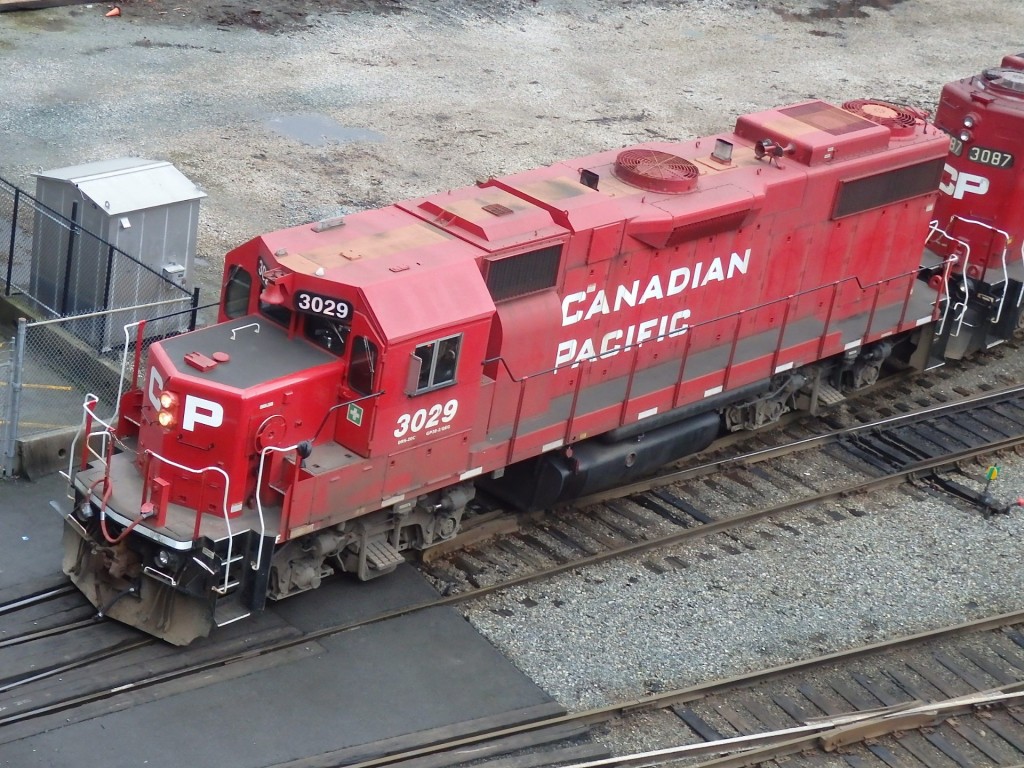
(979, 228)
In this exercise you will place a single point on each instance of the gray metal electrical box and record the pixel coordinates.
(146, 208)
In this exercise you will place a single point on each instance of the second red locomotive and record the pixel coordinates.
(541, 335)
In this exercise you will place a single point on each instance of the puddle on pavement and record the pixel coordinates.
(841, 9)
(318, 130)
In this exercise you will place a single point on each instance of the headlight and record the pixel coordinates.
(167, 416)
(166, 559)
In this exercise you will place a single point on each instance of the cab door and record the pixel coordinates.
(360, 394)
(431, 422)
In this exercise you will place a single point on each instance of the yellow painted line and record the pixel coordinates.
(58, 387)
(41, 425)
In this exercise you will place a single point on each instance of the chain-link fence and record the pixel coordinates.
(60, 269)
(49, 371)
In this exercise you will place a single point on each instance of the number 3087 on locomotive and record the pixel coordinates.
(542, 336)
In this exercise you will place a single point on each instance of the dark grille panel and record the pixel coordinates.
(523, 273)
(889, 187)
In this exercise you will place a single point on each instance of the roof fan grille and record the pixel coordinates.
(655, 170)
(899, 119)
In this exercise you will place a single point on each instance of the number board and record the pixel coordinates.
(993, 157)
(315, 304)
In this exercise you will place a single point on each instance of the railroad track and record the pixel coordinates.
(42, 610)
(36, 597)
(724, 497)
(643, 520)
(683, 520)
(959, 689)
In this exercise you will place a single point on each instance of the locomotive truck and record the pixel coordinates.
(541, 336)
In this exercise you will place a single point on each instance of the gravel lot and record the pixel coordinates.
(283, 120)
(341, 111)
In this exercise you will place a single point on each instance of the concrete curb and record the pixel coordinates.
(45, 453)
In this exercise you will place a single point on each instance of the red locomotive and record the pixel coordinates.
(541, 336)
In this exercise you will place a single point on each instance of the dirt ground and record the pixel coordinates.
(282, 15)
(290, 111)
(273, 17)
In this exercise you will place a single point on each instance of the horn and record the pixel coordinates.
(273, 294)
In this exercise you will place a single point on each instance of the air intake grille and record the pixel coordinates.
(655, 170)
(900, 120)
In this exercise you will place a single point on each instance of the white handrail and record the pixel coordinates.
(259, 485)
(224, 506)
(107, 433)
(953, 259)
(1006, 241)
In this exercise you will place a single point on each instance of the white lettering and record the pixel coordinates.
(657, 288)
(697, 275)
(566, 352)
(575, 317)
(653, 291)
(739, 263)
(678, 279)
(587, 351)
(627, 296)
(607, 350)
(599, 306)
(715, 272)
(961, 183)
(646, 330)
(199, 410)
(156, 386)
(435, 419)
(572, 352)
(676, 325)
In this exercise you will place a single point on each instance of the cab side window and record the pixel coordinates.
(236, 292)
(363, 368)
(434, 365)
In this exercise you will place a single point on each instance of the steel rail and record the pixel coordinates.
(600, 715)
(889, 721)
(828, 734)
(92, 658)
(42, 596)
(469, 595)
(41, 634)
(494, 524)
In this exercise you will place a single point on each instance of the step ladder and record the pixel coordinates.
(829, 395)
(382, 556)
(227, 611)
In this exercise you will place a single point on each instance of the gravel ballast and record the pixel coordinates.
(614, 632)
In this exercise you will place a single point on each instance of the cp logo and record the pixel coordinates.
(195, 410)
(961, 183)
